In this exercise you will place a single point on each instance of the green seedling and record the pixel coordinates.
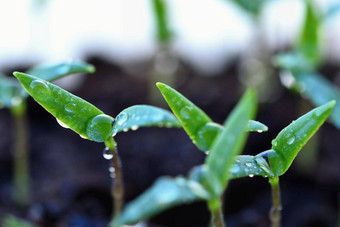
(285, 146)
(206, 182)
(92, 124)
(13, 97)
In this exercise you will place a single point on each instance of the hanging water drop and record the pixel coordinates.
(134, 127)
(125, 129)
(259, 131)
(251, 175)
(61, 123)
(107, 154)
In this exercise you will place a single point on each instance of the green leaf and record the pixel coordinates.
(291, 139)
(309, 43)
(144, 116)
(164, 33)
(70, 110)
(11, 221)
(249, 166)
(200, 128)
(192, 118)
(56, 71)
(232, 139)
(165, 193)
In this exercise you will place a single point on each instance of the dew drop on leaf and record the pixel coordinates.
(235, 169)
(185, 112)
(40, 89)
(274, 143)
(107, 154)
(291, 140)
(248, 164)
(70, 107)
(100, 128)
(259, 131)
(122, 118)
(251, 175)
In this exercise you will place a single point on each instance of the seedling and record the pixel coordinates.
(13, 97)
(285, 146)
(206, 182)
(92, 124)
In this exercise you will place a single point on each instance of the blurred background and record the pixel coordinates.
(209, 50)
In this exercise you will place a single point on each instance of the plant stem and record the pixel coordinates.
(21, 177)
(117, 188)
(215, 208)
(275, 211)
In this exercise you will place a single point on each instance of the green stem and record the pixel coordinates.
(215, 208)
(117, 188)
(275, 211)
(21, 177)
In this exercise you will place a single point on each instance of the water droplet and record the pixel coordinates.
(100, 128)
(291, 140)
(61, 123)
(134, 127)
(125, 129)
(251, 175)
(259, 131)
(122, 118)
(112, 169)
(248, 164)
(318, 112)
(40, 89)
(107, 154)
(185, 112)
(168, 125)
(235, 169)
(70, 107)
(274, 143)
(206, 152)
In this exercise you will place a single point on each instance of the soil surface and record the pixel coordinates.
(70, 178)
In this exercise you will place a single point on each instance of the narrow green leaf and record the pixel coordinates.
(249, 166)
(232, 139)
(165, 193)
(291, 139)
(56, 71)
(192, 118)
(309, 43)
(144, 116)
(164, 33)
(70, 110)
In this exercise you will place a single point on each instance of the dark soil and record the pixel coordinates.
(70, 178)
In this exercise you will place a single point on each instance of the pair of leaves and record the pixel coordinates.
(11, 92)
(205, 182)
(87, 120)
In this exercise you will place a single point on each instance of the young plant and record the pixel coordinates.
(13, 97)
(285, 146)
(207, 182)
(92, 124)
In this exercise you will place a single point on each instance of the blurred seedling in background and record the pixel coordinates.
(207, 182)
(299, 70)
(13, 97)
(92, 124)
(272, 163)
(165, 64)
